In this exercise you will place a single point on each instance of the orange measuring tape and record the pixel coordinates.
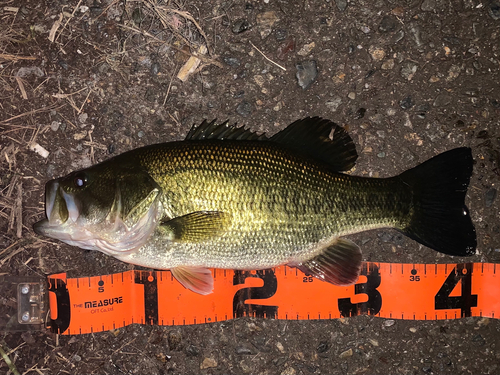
(388, 290)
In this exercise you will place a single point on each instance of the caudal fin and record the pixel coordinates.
(440, 218)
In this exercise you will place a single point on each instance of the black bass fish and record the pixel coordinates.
(226, 197)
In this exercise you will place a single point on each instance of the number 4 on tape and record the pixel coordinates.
(388, 290)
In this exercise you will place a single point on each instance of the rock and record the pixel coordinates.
(241, 25)
(26, 71)
(192, 350)
(360, 113)
(489, 196)
(388, 64)
(307, 71)
(389, 322)
(494, 10)
(376, 53)
(208, 363)
(174, 339)
(408, 70)
(387, 24)
(232, 61)
(322, 347)
(346, 353)
(453, 73)
(155, 68)
(306, 49)
(428, 5)
(289, 371)
(244, 108)
(416, 34)
(341, 4)
(406, 103)
(280, 347)
(265, 22)
(243, 350)
(334, 104)
(54, 125)
(280, 34)
(442, 100)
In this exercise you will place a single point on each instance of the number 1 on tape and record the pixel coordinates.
(388, 290)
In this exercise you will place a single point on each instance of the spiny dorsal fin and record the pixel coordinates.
(212, 130)
(311, 136)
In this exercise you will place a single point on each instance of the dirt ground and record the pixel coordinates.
(82, 81)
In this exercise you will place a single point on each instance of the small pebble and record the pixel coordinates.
(360, 113)
(306, 49)
(408, 70)
(192, 350)
(241, 25)
(232, 61)
(208, 363)
(351, 95)
(388, 64)
(244, 109)
(494, 10)
(413, 329)
(389, 322)
(54, 125)
(280, 347)
(307, 71)
(406, 103)
(341, 4)
(333, 104)
(387, 24)
(322, 347)
(489, 196)
(243, 350)
(280, 34)
(155, 68)
(288, 371)
(346, 353)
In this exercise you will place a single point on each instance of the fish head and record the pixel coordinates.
(110, 208)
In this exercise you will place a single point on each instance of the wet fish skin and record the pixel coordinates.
(227, 198)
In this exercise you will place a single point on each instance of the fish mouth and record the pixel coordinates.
(61, 210)
(111, 235)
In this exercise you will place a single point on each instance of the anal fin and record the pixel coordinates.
(196, 279)
(339, 263)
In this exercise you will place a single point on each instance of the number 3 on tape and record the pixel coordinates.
(388, 290)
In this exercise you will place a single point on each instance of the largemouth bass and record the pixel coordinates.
(226, 197)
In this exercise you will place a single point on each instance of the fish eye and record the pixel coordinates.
(80, 180)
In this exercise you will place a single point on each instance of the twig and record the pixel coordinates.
(7, 57)
(170, 84)
(9, 363)
(48, 108)
(267, 58)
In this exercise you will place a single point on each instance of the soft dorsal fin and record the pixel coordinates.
(311, 136)
(212, 130)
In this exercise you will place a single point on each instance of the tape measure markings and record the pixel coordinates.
(402, 291)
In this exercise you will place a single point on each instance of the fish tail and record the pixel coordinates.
(439, 218)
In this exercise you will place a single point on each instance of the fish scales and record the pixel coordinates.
(278, 202)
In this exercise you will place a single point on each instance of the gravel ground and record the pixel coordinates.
(88, 80)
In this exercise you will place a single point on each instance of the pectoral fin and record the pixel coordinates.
(197, 279)
(196, 226)
(339, 263)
